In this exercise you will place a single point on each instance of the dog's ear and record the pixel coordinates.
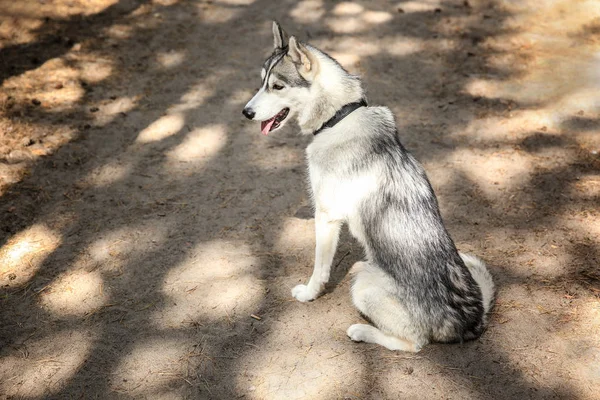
(300, 55)
(280, 38)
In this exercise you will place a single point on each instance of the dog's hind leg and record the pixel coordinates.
(370, 334)
(327, 234)
(373, 294)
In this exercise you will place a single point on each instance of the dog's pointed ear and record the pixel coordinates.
(301, 56)
(280, 38)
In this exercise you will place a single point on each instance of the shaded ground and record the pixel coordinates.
(150, 237)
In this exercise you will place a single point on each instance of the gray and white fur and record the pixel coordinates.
(414, 285)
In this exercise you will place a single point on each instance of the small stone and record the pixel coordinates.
(401, 10)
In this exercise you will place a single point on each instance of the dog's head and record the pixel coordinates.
(287, 76)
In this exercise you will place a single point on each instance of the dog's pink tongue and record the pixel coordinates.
(265, 126)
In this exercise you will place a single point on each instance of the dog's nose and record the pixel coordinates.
(248, 113)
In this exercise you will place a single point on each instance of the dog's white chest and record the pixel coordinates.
(335, 191)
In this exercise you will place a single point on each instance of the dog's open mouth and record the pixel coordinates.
(273, 123)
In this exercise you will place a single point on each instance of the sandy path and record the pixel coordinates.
(150, 236)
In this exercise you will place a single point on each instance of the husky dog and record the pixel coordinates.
(414, 285)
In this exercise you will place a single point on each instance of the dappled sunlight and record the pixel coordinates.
(347, 8)
(555, 72)
(46, 364)
(170, 59)
(93, 68)
(24, 253)
(116, 107)
(108, 174)
(399, 46)
(54, 9)
(359, 23)
(589, 366)
(110, 245)
(75, 293)
(418, 6)
(308, 11)
(112, 249)
(288, 374)
(240, 96)
(283, 158)
(568, 349)
(549, 261)
(218, 259)
(217, 280)
(581, 221)
(200, 145)
(197, 301)
(153, 364)
(162, 128)
(500, 170)
(119, 31)
(347, 17)
(297, 365)
(196, 95)
(165, 3)
(389, 377)
(377, 17)
(236, 2)
(55, 84)
(15, 31)
(518, 126)
(215, 13)
(350, 51)
(296, 235)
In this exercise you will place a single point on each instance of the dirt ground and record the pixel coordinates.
(150, 236)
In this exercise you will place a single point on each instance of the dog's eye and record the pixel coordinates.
(277, 87)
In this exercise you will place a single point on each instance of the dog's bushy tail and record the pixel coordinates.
(483, 278)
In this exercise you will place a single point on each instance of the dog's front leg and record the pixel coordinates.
(327, 233)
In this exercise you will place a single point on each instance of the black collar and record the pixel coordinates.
(341, 114)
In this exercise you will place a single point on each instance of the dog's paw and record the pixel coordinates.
(358, 332)
(303, 294)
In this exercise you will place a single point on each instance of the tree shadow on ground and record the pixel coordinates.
(167, 209)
